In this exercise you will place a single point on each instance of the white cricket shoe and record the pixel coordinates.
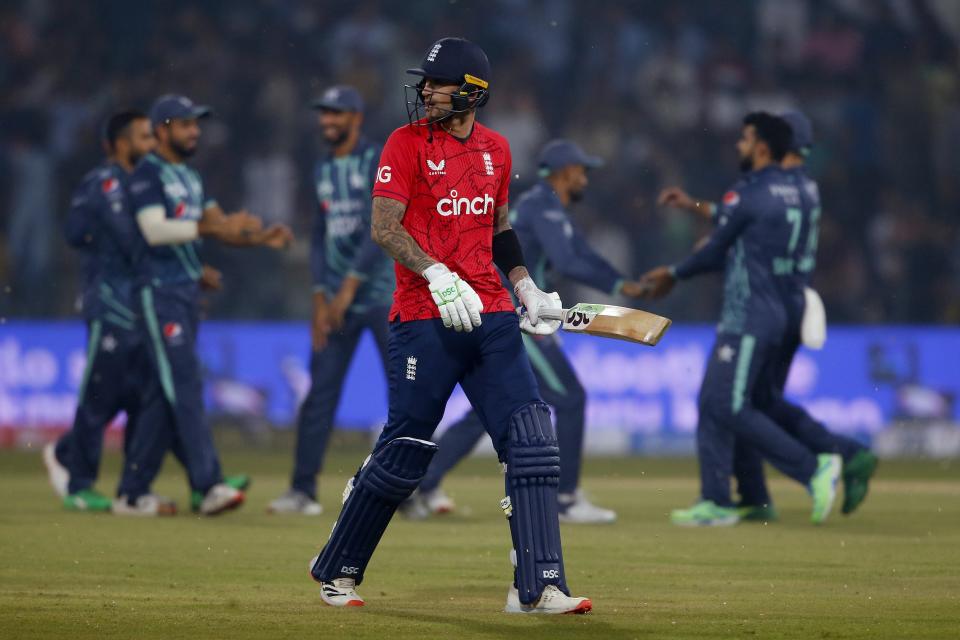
(341, 592)
(219, 498)
(147, 505)
(58, 474)
(552, 600)
(575, 508)
(438, 502)
(295, 502)
(415, 507)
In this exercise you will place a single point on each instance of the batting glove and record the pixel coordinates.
(533, 301)
(459, 304)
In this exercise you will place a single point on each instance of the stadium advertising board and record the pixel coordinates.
(640, 399)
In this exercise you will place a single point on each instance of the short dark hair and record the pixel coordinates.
(773, 130)
(119, 123)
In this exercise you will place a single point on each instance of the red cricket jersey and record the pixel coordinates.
(451, 188)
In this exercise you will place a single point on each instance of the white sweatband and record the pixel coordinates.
(158, 230)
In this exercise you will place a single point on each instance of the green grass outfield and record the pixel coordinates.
(890, 571)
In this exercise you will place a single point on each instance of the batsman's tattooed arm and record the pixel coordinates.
(501, 223)
(387, 230)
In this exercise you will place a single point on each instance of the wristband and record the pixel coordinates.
(507, 254)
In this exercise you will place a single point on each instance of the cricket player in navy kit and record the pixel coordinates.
(116, 376)
(804, 311)
(758, 238)
(550, 241)
(172, 211)
(440, 210)
(352, 279)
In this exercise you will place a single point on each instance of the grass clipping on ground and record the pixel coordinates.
(890, 570)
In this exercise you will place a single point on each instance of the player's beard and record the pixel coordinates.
(337, 139)
(746, 164)
(443, 114)
(182, 150)
(576, 196)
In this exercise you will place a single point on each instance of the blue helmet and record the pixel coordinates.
(453, 61)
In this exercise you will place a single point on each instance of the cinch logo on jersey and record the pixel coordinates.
(454, 206)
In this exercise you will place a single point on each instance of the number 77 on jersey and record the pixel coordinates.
(608, 321)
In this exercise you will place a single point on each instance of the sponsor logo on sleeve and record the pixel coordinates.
(384, 174)
(110, 185)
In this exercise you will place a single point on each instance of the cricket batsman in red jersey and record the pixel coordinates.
(440, 210)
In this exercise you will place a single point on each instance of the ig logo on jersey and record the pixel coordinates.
(384, 174)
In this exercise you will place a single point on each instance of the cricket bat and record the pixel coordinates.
(608, 321)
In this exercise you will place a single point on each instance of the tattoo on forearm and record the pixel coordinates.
(388, 232)
(501, 220)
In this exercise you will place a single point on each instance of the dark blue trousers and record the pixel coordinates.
(328, 369)
(794, 419)
(425, 362)
(729, 415)
(171, 317)
(560, 388)
(116, 358)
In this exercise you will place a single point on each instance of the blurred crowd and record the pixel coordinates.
(657, 88)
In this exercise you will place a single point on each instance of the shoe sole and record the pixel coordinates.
(715, 522)
(298, 512)
(350, 603)
(75, 509)
(229, 506)
(586, 606)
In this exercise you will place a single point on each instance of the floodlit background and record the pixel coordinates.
(656, 88)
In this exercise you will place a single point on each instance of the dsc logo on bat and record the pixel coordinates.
(454, 206)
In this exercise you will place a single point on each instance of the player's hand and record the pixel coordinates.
(658, 282)
(276, 236)
(534, 301)
(341, 302)
(320, 322)
(211, 279)
(675, 197)
(633, 289)
(459, 304)
(239, 227)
